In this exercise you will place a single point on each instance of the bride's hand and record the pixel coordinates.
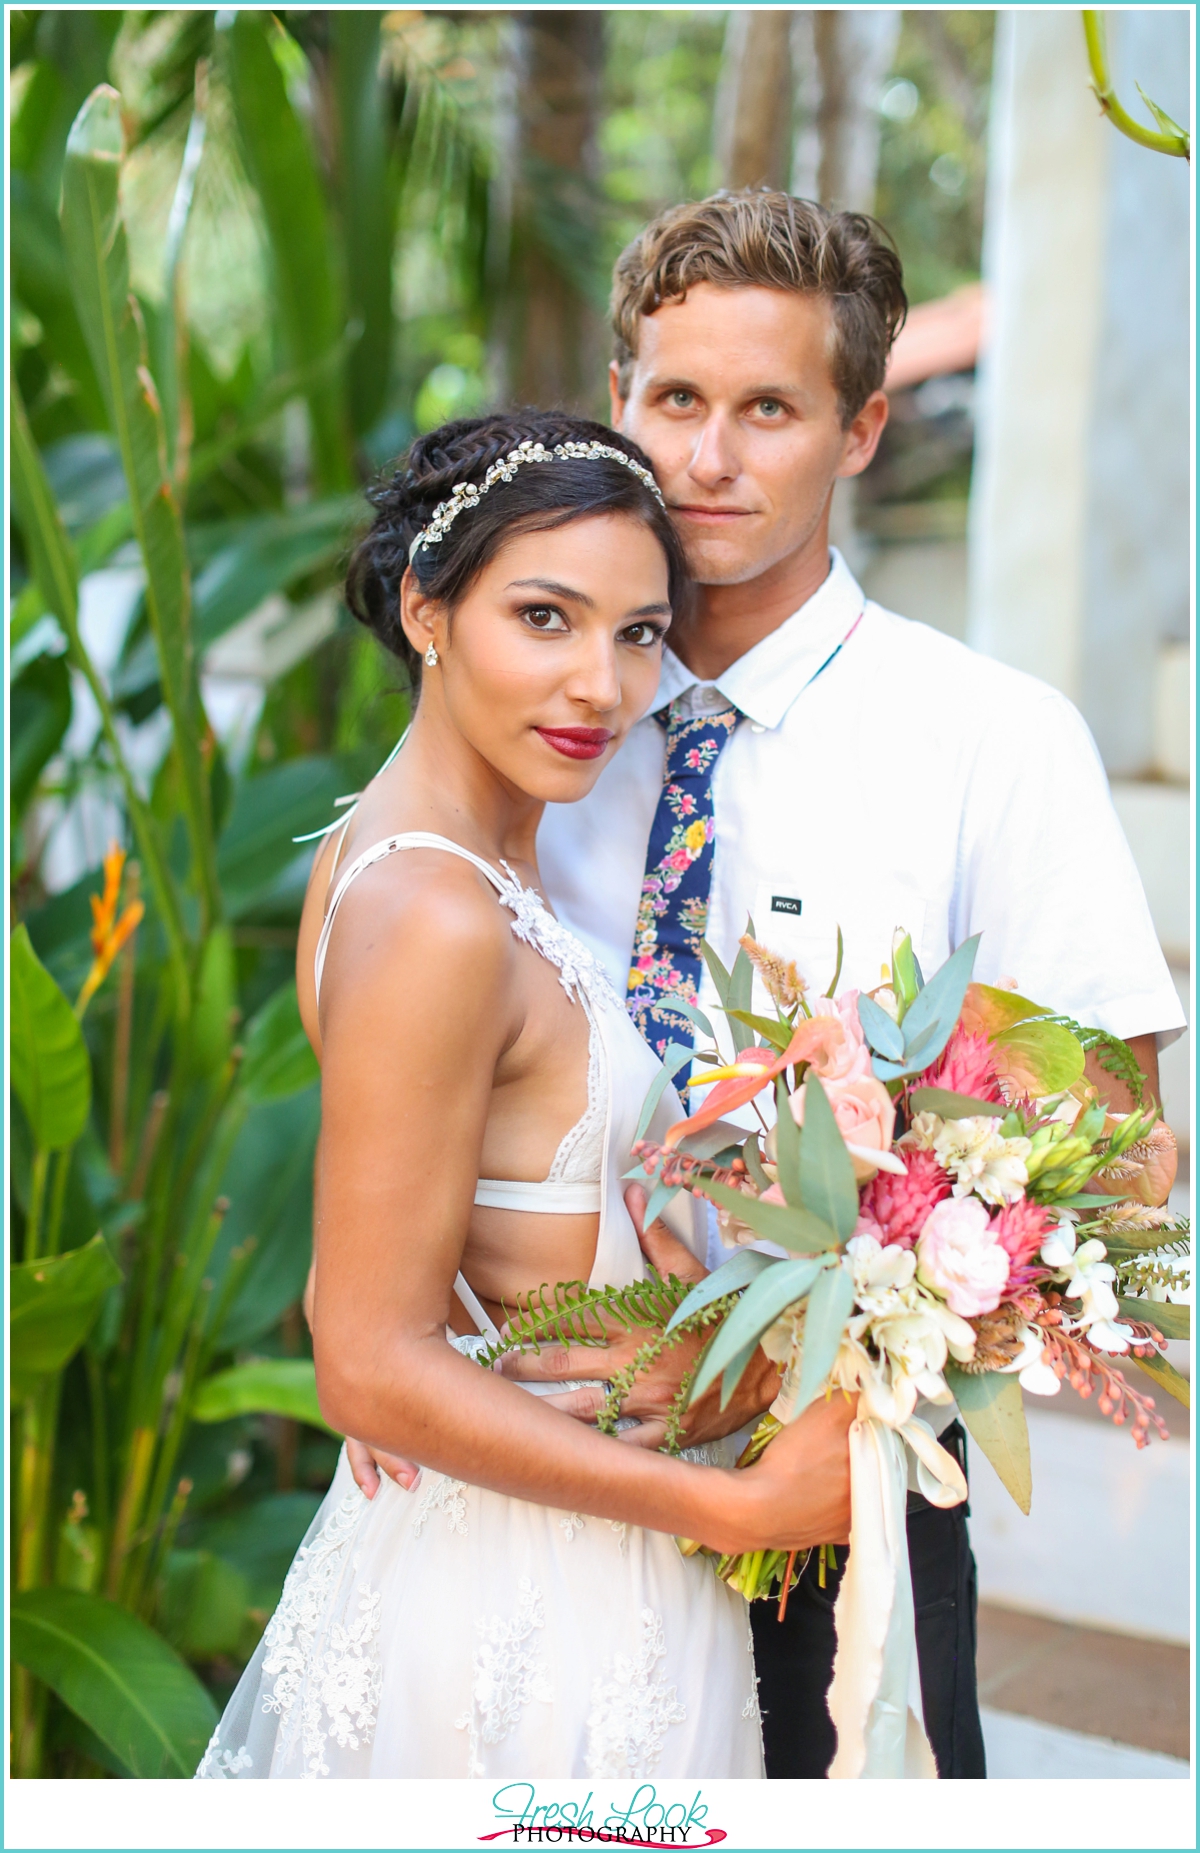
(797, 1494)
(366, 1464)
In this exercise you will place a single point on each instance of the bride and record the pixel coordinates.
(523, 1610)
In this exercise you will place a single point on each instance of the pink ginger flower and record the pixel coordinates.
(966, 1066)
(1021, 1228)
(901, 1206)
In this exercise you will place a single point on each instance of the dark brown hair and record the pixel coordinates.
(539, 495)
(760, 238)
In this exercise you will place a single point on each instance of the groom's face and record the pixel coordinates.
(732, 396)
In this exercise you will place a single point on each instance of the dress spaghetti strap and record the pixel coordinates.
(412, 839)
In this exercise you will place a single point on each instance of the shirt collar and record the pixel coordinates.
(765, 682)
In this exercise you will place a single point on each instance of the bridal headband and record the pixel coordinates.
(529, 450)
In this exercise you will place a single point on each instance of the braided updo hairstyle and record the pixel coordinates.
(540, 495)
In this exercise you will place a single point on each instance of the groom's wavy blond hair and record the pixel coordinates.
(758, 238)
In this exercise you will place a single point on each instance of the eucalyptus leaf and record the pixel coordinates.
(48, 1059)
(733, 1275)
(829, 1306)
(797, 1230)
(827, 1185)
(933, 1014)
(884, 1035)
(1172, 1321)
(950, 1106)
(777, 1288)
(675, 1055)
(741, 990)
(772, 1029)
(733, 1372)
(787, 1148)
(990, 1404)
(717, 973)
(695, 1015)
(1167, 1377)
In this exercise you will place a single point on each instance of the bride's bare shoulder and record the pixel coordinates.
(414, 924)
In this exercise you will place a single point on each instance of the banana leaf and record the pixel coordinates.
(118, 1675)
(54, 1303)
(275, 1386)
(40, 713)
(98, 266)
(51, 1073)
(306, 292)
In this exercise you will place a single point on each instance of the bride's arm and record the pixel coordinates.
(420, 1003)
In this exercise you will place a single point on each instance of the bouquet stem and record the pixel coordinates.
(755, 1575)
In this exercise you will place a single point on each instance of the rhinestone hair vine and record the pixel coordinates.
(529, 450)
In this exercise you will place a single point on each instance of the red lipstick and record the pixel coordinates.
(576, 742)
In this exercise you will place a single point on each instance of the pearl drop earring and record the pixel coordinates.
(431, 656)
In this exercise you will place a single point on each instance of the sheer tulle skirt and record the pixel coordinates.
(453, 1631)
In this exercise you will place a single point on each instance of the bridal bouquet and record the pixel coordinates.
(951, 1212)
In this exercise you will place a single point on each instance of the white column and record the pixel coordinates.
(1043, 253)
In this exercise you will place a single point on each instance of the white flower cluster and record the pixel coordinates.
(975, 1155)
(1086, 1276)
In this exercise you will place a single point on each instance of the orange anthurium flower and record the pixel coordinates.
(742, 1079)
(109, 933)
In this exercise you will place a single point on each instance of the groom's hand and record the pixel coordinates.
(654, 1389)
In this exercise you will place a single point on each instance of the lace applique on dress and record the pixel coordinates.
(507, 1672)
(222, 1765)
(573, 1522)
(579, 970)
(328, 1673)
(620, 1526)
(633, 1709)
(443, 1495)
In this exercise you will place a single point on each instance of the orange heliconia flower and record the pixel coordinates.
(109, 933)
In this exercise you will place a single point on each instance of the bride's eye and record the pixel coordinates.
(644, 634)
(544, 617)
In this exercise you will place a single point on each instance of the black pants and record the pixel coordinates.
(794, 1657)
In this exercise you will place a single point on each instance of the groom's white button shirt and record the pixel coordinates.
(913, 784)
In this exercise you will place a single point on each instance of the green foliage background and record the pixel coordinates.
(249, 260)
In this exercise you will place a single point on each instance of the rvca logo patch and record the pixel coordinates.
(785, 904)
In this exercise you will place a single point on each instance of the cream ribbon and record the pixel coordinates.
(875, 1697)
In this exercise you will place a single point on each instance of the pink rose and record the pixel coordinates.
(865, 1117)
(832, 1041)
(960, 1257)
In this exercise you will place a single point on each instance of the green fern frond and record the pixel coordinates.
(1115, 1056)
(572, 1313)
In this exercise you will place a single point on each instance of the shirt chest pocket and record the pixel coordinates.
(803, 927)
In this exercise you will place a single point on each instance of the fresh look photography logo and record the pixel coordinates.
(644, 1821)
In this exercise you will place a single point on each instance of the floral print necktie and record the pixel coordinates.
(673, 910)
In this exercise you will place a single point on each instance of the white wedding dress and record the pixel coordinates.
(454, 1631)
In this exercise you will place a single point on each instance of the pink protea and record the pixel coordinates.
(1021, 1228)
(967, 1066)
(901, 1205)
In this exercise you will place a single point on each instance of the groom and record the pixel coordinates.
(858, 770)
